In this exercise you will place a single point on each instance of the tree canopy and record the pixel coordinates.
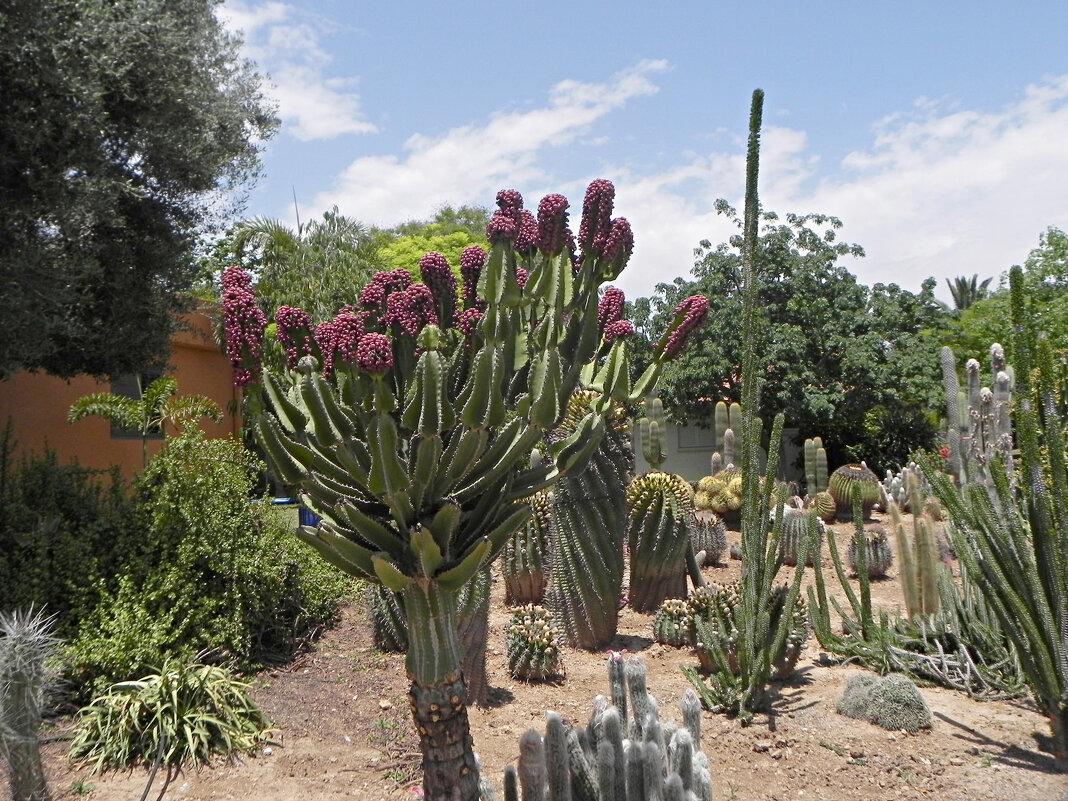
(125, 129)
(448, 232)
(833, 350)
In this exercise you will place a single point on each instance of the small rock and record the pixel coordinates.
(956, 761)
(268, 751)
(891, 737)
(856, 753)
(762, 746)
(384, 704)
(347, 739)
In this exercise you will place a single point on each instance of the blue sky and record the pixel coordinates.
(937, 131)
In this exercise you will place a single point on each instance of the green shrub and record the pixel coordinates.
(62, 529)
(183, 714)
(209, 573)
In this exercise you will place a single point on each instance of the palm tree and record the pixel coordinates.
(966, 291)
(318, 266)
(156, 406)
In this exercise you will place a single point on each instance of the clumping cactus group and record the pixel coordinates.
(892, 702)
(625, 753)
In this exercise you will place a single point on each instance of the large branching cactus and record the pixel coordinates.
(27, 676)
(407, 422)
(1013, 539)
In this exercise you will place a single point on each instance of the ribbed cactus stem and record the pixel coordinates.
(729, 456)
(556, 758)
(691, 714)
(617, 682)
(653, 433)
(821, 466)
(660, 509)
(473, 630)
(810, 466)
(722, 423)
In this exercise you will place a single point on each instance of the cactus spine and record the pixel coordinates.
(26, 678)
(524, 563)
(616, 758)
(671, 623)
(708, 536)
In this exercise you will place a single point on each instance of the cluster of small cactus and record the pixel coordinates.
(715, 622)
(721, 493)
(893, 702)
(815, 466)
(533, 644)
(920, 556)
(659, 510)
(672, 623)
(652, 433)
(794, 532)
(879, 555)
(625, 753)
(727, 421)
(708, 537)
(524, 560)
(841, 483)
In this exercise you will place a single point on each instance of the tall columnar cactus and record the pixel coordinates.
(919, 557)
(653, 433)
(407, 424)
(615, 758)
(586, 579)
(473, 629)
(525, 561)
(815, 466)
(660, 511)
(26, 678)
(727, 423)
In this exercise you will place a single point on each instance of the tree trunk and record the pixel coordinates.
(25, 773)
(438, 695)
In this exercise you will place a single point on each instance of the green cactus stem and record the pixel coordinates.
(473, 631)
(671, 623)
(794, 533)
(815, 466)
(879, 557)
(919, 556)
(653, 433)
(524, 563)
(533, 645)
(389, 624)
(659, 508)
(708, 536)
(840, 486)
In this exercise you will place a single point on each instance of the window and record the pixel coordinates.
(130, 385)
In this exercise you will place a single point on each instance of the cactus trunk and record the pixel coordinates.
(438, 694)
(587, 546)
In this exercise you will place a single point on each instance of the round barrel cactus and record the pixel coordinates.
(794, 532)
(533, 644)
(708, 535)
(822, 503)
(660, 510)
(880, 556)
(671, 624)
(841, 486)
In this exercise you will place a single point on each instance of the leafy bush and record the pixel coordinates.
(209, 571)
(185, 713)
(62, 529)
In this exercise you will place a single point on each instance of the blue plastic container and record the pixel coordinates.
(307, 517)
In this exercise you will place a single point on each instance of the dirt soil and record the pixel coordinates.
(343, 728)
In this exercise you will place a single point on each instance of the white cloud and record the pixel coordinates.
(469, 164)
(311, 104)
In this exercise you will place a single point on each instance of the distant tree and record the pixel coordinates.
(1045, 277)
(448, 232)
(125, 128)
(832, 348)
(156, 406)
(966, 291)
(319, 266)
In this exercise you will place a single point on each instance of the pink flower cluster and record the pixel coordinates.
(616, 330)
(472, 260)
(553, 233)
(695, 310)
(596, 216)
(244, 322)
(410, 309)
(468, 321)
(610, 309)
(438, 275)
(521, 277)
(619, 245)
(505, 224)
(341, 337)
(373, 296)
(374, 354)
(526, 240)
(294, 333)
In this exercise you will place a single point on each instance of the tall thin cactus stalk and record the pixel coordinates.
(1014, 540)
(407, 423)
(26, 677)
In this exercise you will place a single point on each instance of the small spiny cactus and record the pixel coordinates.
(660, 510)
(708, 535)
(389, 624)
(880, 555)
(822, 503)
(533, 644)
(671, 623)
(841, 485)
(794, 533)
(524, 563)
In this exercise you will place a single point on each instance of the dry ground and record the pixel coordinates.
(343, 729)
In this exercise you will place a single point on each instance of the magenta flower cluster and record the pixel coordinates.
(695, 310)
(438, 275)
(340, 338)
(610, 309)
(294, 333)
(596, 216)
(618, 329)
(472, 260)
(619, 245)
(553, 233)
(526, 240)
(244, 322)
(374, 354)
(468, 321)
(410, 309)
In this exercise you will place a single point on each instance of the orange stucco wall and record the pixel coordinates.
(37, 404)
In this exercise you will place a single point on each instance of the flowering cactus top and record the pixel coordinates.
(610, 309)
(694, 310)
(245, 322)
(553, 234)
(526, 239)
(596, 215)
(618, 329)
(374, 354)
(294, 332)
